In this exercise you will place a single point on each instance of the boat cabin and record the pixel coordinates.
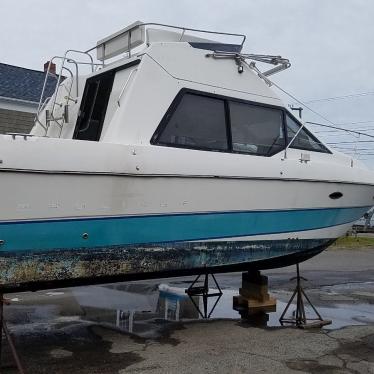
(162, 85)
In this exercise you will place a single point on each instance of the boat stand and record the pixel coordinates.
(299, 318)
(254, 301)
(203, 291)
(8, 337)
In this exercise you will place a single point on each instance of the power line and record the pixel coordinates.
(332, 98)
(266, 79)
(342, 129)
(371, 128)
(353, 142)
(366, 154)
(357, 155)
(355, 149)
(348, 124)
(306, 106)
(354, 123)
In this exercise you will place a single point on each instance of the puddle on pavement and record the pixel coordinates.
(145, 309)
(149, 309)
(365, 289)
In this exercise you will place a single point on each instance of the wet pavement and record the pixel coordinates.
(153, 327)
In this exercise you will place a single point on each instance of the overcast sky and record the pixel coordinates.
(330, 43)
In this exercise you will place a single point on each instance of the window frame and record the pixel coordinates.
(171, 110)
(267, 106)
(226, 100)
(101, 73)
(286, 112)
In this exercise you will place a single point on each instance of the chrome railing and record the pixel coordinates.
(181, 28)
(64, 60)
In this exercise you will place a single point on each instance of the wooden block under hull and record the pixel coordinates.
(254, 277)
(254, 305)
(255, 292)
(257, 319)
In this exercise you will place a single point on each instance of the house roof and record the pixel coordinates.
(24, 84)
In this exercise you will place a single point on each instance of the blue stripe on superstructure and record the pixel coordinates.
(105, 231)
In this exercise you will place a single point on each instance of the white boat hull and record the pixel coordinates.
(74, 227)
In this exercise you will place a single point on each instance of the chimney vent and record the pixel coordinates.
(52, 68)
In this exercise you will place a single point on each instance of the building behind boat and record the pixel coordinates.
(20, 90)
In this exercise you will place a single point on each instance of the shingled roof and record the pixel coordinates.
(24, 84)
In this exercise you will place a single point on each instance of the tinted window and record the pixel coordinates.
(256, 130)
(197, 122)
(304, 139)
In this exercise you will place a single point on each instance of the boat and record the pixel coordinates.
(168, 153)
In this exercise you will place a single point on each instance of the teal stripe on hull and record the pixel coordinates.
(69, 234)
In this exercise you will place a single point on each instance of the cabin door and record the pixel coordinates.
(93, 107)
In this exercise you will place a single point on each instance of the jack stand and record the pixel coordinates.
(8, 337)
(299, 318)
(203, 291)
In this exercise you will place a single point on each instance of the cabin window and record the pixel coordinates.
(255, 129)
(197, 122)
(93, 107)
(216, 123)
(304, 140)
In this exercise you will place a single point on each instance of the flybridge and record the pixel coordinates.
(131, 41)
(139, 33)
(122, 41)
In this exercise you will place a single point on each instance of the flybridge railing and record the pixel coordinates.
(139, 30)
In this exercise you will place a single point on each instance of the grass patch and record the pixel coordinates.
(353, 243)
